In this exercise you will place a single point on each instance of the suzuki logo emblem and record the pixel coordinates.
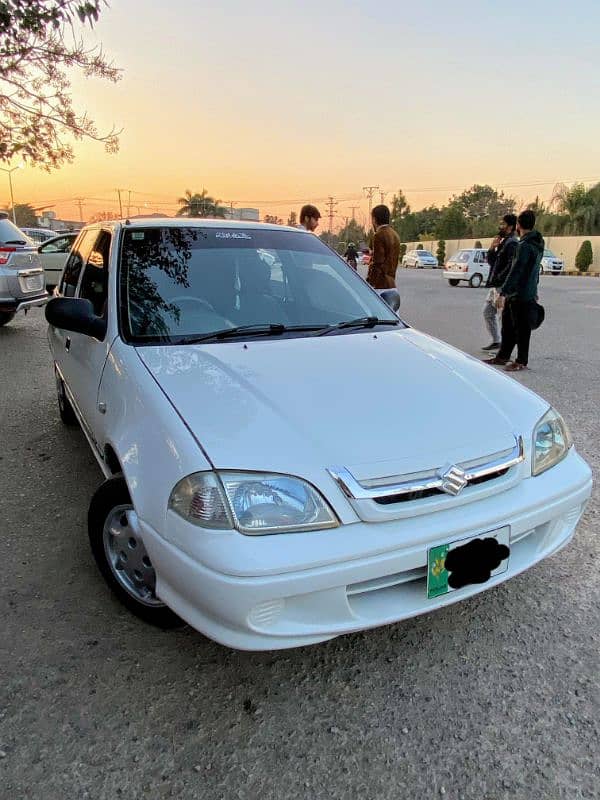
(454, 480)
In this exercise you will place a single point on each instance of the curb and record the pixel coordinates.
(580, 274)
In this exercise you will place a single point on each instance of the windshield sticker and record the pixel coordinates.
(137, 234)
(232, 235)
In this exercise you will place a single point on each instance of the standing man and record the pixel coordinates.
(518, 295)
(500, 257)
(309, 218)
(386, 251)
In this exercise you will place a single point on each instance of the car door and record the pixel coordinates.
(83, 357)
(53, 256)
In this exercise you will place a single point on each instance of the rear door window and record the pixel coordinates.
(94, 283)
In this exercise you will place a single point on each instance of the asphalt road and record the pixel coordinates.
(496, 697)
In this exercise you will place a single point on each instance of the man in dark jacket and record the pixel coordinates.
(518, 295)
(500, 257)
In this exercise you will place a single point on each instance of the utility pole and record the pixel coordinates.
(370, 190)
(382, 195)
(10, 186)
(79, 201)
(118, 191)
(331, 203)
(129, 202)
(353, 209)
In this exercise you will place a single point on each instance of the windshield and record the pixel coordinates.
(462, 256)
(424, 254)
(549, 254)
(179, 283)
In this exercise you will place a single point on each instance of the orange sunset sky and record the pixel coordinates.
(272, 105)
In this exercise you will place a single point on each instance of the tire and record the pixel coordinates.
(6, 317)
(119, 551)
(65, 409)
(476, 280)
(453, 281)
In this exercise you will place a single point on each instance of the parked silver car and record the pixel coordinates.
(22, 282)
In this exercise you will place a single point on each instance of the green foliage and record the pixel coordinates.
(452, 223)
(40, 47)
(25, 215)
(353, 232)
(483, 207)
(580, 208)
(420, 246)
(441, 252)
(292, 219)
(403, 250)
(584, 257)
(400, 208)
(478, 244)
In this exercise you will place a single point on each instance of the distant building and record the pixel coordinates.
(249, 214)
(49, 220)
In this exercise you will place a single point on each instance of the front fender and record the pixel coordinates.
(154, 447)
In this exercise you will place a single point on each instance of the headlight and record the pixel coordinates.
(255, 503)
(551, 442)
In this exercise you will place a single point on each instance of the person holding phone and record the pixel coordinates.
(500, 257)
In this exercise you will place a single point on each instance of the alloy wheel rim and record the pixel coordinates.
(125, 552)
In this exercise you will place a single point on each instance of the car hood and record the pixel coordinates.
(380, 403)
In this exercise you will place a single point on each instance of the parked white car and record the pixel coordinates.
(467, 265)
(39, 235)
(420, 259)
(550, 264)
(242, 491)
(53, 254)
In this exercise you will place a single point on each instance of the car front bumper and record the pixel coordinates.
(276, 604)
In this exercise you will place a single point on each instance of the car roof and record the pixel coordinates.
(193, 222)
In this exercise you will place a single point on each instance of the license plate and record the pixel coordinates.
(467, 561)
(33, 283)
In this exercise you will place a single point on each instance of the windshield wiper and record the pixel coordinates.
(272, 329)
(360, 322)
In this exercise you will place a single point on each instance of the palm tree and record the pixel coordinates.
(194, 204)
(580, 205)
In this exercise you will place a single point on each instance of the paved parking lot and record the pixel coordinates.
(496, 697)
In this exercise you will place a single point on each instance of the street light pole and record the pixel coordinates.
(10, 186)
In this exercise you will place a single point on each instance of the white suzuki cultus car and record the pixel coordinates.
(279, 468)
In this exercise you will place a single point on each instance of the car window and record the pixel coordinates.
(462, 257)
(549, 254)
(94, 282)
(75, 262)
(60, 245)
(176, 282)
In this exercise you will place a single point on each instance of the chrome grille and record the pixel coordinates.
(450, 479)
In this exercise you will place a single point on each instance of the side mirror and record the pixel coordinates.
(391, 297)
(77, 315)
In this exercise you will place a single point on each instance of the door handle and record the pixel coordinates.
(68, 343)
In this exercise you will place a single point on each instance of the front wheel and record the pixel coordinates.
(476, 281)
(5, 317)
(453, 282)
(117, 545)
